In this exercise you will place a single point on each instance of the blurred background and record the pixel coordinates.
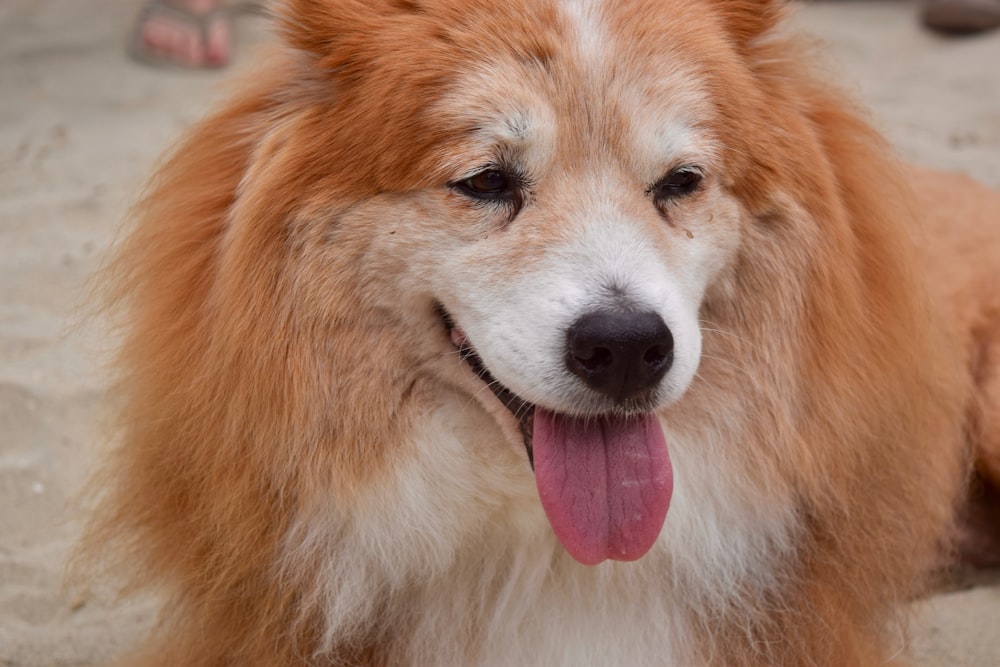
(83, 117)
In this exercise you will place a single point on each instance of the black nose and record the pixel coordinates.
(620, 354)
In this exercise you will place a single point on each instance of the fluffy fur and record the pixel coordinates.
(308, 472)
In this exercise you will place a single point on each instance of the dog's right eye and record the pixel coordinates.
(493, 185)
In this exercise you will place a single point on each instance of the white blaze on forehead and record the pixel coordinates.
(661, 99)
(592, 40)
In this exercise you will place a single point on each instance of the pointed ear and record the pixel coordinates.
(314, 26)
(332, 30)
(746, 20)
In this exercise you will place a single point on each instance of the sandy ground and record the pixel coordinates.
(80, 126)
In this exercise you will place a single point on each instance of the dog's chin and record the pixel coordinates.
(515, 414)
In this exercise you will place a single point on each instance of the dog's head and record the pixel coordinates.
(549, 192)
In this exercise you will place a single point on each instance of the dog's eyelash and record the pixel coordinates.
(677, 183)
(494, 185)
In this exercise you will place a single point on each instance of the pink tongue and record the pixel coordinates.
(605, 483)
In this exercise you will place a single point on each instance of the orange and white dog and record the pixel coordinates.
(542, 332)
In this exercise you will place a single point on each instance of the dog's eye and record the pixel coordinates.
(489, 183)
(678, 183)
(493, 185)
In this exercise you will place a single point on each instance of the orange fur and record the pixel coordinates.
(270, 369)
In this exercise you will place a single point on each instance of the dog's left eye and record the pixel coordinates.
(678, 183)
(493, 185)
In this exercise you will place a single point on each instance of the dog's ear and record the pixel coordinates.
(335, 32)
(314, 26)
(330, 29)
(747, 20)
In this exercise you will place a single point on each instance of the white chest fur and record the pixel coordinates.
(455, 559)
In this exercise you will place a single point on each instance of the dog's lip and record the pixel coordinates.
(623, 519)
(522, 410)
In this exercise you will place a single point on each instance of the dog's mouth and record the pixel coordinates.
(523, 411)
(604, 481)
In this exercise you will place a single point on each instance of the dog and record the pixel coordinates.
(546, 332)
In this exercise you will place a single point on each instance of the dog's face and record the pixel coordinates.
(588, 219)
(584, 232)
(553, 203)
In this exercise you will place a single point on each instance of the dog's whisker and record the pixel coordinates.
(714, 327)
(729, 362)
